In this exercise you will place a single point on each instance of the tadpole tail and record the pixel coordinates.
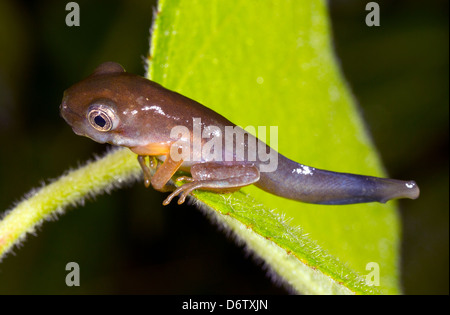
(307, 184)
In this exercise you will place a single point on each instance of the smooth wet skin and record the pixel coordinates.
(113, 106)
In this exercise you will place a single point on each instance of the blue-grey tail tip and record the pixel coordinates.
(412, 190)
(400, 189)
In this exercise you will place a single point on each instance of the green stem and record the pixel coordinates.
(112, 171)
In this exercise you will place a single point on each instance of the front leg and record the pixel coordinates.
(148, 170)
(164, 173)
(215, 177)
(159, 177)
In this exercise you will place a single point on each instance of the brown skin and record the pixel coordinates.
(112, 106)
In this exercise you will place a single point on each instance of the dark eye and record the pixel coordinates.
(100, 121)
(102, 117)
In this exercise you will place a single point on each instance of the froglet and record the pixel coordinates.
(123, 109)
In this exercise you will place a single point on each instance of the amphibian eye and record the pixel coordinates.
(102, 117)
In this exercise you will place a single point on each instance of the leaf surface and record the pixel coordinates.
(271, 63)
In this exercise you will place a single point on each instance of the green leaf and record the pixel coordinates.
(271, 63)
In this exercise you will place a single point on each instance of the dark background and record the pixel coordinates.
(125, 242)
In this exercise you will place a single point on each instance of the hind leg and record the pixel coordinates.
(215, 177)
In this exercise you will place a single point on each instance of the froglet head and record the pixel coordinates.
(99, 107)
